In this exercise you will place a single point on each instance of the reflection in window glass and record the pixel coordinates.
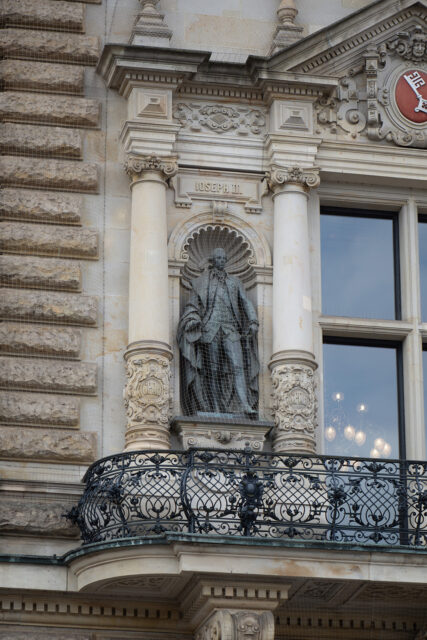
(361, 408)
(422, 232)
(357, 266)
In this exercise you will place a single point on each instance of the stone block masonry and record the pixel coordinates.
(43, 110)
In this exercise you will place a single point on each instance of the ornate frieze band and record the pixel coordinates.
(220, 118)
(136, 166)
(294, 406)
(147, 399)
(279, 176)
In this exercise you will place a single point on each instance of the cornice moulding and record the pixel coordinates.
(347, 161)
(124, 66)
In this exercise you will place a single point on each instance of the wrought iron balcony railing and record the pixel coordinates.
(241, 493)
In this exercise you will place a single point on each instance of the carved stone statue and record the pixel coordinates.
(217, 336)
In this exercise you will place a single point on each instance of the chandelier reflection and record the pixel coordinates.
(348, 437)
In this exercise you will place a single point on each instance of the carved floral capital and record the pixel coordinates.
(279, 176)
(136, 166)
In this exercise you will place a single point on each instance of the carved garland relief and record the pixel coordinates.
(220, 118)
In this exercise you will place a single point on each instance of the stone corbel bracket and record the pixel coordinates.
(205, 599)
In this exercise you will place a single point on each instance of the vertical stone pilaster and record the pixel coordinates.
(147, 393)
(293, 364)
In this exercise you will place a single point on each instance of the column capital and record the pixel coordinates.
(138, 165)
(279, 177)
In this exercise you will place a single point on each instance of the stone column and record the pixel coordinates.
(147, 392)
(293, 364)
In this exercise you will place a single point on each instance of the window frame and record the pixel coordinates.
(373, 213)
(400, 396)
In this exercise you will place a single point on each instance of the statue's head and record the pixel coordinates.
(219, 258)
(418, 47)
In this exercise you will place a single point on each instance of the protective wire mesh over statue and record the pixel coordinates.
(217, 336)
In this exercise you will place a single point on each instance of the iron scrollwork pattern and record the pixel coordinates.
(243, 493)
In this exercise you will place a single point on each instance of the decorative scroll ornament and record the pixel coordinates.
(135, 166)
(280, 176)
(385, 98)
(410, 45)
(294, 406)
(226, 624)
(220, 118)
(147, 398)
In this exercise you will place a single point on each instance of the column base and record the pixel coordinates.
(294, 402)
(147, 395)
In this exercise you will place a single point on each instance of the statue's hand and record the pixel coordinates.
(192, 325)
(253, 328)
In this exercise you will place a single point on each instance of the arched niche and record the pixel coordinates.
(249, 258)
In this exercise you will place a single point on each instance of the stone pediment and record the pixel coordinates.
(336, 49)
(379, 55)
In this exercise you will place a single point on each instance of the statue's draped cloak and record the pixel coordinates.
(195, 394)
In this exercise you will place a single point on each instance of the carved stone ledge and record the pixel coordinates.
(214, 432)
(294, 405)
(136, 166)
(147, 398)
(279, 177)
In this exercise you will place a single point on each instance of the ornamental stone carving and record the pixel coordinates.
(384, 98)
(279, 176)
(409, 45)
(294, 406)
(147, 400)
(234, 624)
(135, 166)
(220, 118)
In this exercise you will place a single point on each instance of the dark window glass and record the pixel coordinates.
(422, 232)
(361, 403)
(358, 266)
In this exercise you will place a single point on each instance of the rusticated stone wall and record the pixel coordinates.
(47, 119)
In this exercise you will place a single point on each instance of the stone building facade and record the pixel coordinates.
(137, 136)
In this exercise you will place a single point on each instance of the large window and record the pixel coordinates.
(360, 270)
(422, 234)
(363, 399)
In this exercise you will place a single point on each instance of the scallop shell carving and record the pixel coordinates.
(198, 249)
